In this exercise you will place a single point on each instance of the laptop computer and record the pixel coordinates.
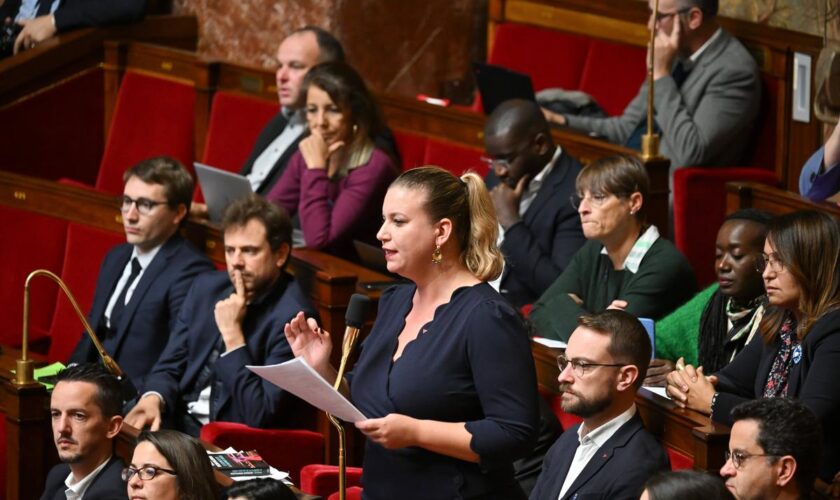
(498, 84)
(220, 187)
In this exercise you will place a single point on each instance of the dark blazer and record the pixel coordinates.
(539, 247)
(83, 13)
(150, 315)
(270, 132)
(275, 127)
(813, 381)
(107, 485)
(618, 470)
(239, 395)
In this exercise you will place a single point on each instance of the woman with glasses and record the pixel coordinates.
(338, 178)
(446, 377)
(625, 264)
(169, 465)
(797, 354)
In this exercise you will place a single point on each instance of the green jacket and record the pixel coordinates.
(664, 281)
(676, 333)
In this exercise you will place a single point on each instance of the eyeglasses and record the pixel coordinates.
(769, 260)
(144, 205)
(596, 199)
(738, 457)
(582, 367)
(503, 162)
(146, 473)
(662, 15)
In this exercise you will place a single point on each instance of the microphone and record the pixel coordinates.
(354, 318)
(25, 367)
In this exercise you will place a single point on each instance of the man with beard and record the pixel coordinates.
(610, 455)
(85, 408)
(230, 320)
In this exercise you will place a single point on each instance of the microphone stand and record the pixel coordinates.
(25, 368)
(346, 348)
(650, 140)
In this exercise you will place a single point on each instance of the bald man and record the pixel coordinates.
(530, 180)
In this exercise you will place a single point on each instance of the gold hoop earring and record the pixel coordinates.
(437, 257)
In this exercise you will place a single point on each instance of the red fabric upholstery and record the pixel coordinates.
(322, 480)
(604, 61)
(20, 257)
(567, 420)
(454, 157)
(59, 132)
(353, 493)
(83, 253)
(412, 148)
(152, 117)
(235, 123)
(699, 210)
(285, 449)
(524, 48)
(679, 460)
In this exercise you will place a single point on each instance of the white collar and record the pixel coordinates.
(697, 53)
(639, 250)
(81, 486)
(146, 258)
(605, 431)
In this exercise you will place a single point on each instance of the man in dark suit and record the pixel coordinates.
(774, 450)
(279, 140)
(142, 283)
(531, 182)
(230, 320)
(610, 455)
(43, 19)
(85, 406)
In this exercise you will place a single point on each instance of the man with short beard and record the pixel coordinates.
(610, 455)
(85, 409)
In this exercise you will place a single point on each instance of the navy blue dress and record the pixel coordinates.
(472, 363)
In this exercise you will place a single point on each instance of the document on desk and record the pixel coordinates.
(300, 379)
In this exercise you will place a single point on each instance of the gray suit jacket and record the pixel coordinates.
(708, 121)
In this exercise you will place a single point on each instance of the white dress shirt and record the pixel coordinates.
(268, 158)
(590, 443)
(144, 260)
(76, 489)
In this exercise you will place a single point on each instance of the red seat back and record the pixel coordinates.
(412, 148)
(86, 247)
(44, 250)
(152, 117)
(235, 122)
(603, 62)
(454, 157)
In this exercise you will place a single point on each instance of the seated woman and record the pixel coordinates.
(718, 322)
(446, 376)
(797, 354)
(819, 179)
(169, 465)
(338, 178)
(625, 264)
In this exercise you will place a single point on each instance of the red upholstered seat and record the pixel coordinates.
(604, 61)
(322, 480)
(412, 148)
(285, 449)
(235, 122)
(353, 493)
(153, 117)
(454, 157)
(85, 248)
(678, 459)
(523, 48)
(30, 241)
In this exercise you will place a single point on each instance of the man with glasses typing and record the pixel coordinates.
(774, 450)
(707, 90)
(143, 282)
(530, 181)
(85, 411)
(609, 455)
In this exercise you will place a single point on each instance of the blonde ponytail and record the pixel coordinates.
(481, 253)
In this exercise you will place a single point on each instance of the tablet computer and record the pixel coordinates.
(220, 187)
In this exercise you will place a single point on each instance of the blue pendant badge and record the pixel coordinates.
(797, 354)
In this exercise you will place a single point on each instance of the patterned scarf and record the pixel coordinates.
(744, 319)
(777, 380)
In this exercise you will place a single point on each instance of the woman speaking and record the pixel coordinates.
(446, 377)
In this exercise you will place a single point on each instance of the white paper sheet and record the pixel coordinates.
(659, 391)
(554, 344)
(300, 379)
